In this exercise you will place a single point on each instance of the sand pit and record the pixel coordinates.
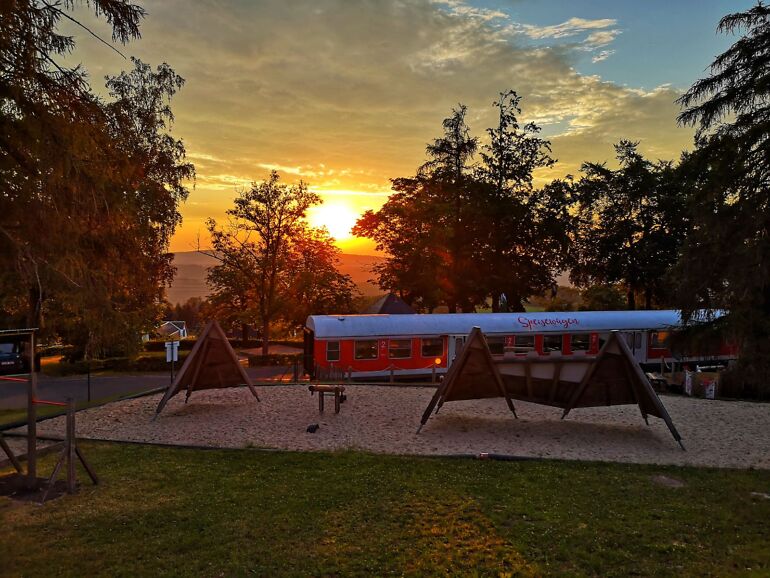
(385, 419)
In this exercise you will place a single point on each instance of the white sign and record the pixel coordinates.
(172, 351)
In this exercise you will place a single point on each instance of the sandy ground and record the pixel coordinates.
(385, 419)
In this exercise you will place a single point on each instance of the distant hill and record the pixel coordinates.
(191, 266)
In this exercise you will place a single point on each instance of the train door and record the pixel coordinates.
(454, 347)
(637, 343)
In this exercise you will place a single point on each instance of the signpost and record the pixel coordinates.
(172, 354)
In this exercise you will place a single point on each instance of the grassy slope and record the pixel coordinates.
(208, 513)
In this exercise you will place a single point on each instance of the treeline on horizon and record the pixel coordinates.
(92, 186)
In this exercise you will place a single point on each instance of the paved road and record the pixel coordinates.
(13, 394)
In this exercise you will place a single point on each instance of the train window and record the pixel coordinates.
(366, 349)
(551, 343)
(332, 351)
(496, 344)
(520, 343)
(432, 347)
(658, 339)
(400, 348)
(580, 342)
(603, 337)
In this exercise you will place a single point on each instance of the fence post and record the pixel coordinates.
(69, 443)
(391, 373)
(32, 419)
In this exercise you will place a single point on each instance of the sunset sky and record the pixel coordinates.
(345, 94)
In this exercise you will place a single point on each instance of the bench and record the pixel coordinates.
(323, 390)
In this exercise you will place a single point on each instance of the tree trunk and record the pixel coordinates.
(244, 334)
(495, 302)
(630, 298)
(647, 298)
(33, 308)
(265, 336)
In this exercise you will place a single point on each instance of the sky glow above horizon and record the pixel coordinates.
(345, 95)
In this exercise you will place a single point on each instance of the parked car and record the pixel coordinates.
(11, 359)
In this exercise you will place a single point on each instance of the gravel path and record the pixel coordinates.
(384, 420)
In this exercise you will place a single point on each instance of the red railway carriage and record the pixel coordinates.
(374, 345)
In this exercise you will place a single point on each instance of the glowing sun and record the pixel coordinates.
(336, 217)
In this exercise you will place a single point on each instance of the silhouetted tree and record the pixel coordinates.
(190, 312)
(726, 259)
(457, 233)
(632, 222)
(410, 229)
(602, 298)
(446, 176)
(523, 234)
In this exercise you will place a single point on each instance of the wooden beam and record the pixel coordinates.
(555, 382)
(10, 454)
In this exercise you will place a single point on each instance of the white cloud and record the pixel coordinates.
(346, 94)
(602, 55)
(566, 29)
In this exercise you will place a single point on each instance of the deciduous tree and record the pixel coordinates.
(262, 226)
(90, 188)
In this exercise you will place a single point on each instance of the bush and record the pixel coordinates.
(148, 362)
(157, 345)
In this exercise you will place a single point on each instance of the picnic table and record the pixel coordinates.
(323, 390)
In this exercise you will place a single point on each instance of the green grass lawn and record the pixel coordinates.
(179, 512)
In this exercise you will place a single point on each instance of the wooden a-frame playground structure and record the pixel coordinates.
(613, 377)
(212, 364)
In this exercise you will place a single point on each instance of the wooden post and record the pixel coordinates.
(433, 373)
(70, 447)
(32, 418)
(392, 377)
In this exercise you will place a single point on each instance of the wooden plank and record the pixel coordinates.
(633, 392)
(231, 353)
(198, 367)
(89, 470)
(10, 454)
(55, 473)
(645, 387)
(555, 382)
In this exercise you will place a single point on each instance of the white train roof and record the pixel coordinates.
(340, 326)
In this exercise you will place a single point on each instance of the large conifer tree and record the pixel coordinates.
(726, 259)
